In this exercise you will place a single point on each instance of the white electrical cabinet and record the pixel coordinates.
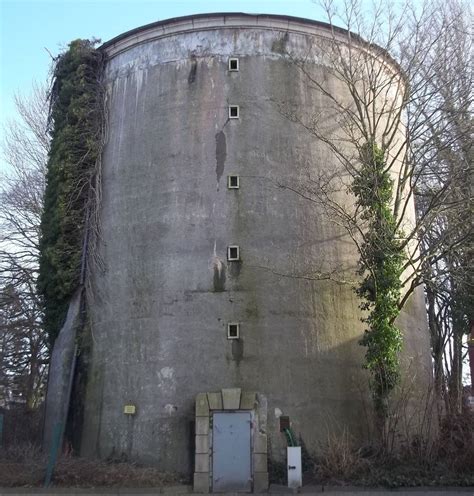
(294, 467)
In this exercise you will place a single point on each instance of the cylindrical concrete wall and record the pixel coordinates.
(161, 308)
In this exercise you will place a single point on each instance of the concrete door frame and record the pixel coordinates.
(230, 399)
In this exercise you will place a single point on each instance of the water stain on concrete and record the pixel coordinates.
(279, 45)
(192, 72)
(235, 268)
(221, 154)
(237, 349)
(219, 278)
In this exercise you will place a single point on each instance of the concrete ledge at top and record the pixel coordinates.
(202, 406)
(282, 24)
(231, 398)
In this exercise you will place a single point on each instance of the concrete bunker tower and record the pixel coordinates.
(198, 314)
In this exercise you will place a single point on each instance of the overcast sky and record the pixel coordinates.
(32, 28)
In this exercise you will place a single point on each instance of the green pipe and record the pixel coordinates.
(290, 438)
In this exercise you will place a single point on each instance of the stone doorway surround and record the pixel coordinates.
(232, 399)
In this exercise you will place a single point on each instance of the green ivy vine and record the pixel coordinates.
(75, 123)
(381, 266)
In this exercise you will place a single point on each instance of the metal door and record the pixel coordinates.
(231, 462)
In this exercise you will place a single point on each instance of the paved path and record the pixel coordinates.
(274, 490)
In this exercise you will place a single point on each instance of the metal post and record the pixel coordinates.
(53, 452)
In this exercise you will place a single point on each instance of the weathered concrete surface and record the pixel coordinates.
(160, 319)
(60, 370)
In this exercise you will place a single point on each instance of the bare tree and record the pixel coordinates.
(23, 351)
(443, 155)
(397, 127)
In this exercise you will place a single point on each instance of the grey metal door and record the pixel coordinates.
(231, 462)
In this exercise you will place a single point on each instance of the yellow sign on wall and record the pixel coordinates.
(129, 409)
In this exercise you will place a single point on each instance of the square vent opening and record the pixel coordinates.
(234, 112)
(233, 330)
(233, 253)
(233, 64)
(233, 181)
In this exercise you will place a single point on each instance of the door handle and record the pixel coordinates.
(291, 467)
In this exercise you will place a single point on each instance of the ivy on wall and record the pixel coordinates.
(381, 266)
(76, 103)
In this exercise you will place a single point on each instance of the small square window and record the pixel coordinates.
(233, 112)
(233, 330)
(233, 64)
(233, 182)
(233, 253)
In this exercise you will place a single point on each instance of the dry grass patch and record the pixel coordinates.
(78, 472)
(25, 466)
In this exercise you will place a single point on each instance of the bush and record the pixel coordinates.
(22, 426)
(340, 460)
(450, 461)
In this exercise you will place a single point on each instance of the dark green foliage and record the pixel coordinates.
(75, 120)
(277, 471)
(307, 462)
(380, 265)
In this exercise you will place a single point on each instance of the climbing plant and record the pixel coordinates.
(76, 130)
(381, 266)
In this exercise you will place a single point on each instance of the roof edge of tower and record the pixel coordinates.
(216, 20)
